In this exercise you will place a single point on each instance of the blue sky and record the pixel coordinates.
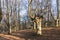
(24, 8)
(54, 8)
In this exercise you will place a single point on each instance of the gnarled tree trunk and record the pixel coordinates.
(35, 18)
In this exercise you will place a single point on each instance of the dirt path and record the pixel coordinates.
(9, 37)
(48, 34)
(1, 38)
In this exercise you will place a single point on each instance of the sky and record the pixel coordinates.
(24, 8)
(25, 5)
(54, 8)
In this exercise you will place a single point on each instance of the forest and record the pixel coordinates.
(29, 19)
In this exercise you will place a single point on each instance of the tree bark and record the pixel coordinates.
(39, 25)
(58, 13)
(0, 11)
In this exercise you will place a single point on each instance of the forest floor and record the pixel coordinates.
(47, 34)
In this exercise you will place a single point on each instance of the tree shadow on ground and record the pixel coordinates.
(1, 38)
(30, 35)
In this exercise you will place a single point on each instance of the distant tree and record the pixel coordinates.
(58, 12)
(0, 11)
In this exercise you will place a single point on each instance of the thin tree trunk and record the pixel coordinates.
(58, 12)
(0, 11)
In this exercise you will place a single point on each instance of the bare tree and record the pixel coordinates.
(0, 11)
(58, 12)
(35, 18)
(18, 14)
